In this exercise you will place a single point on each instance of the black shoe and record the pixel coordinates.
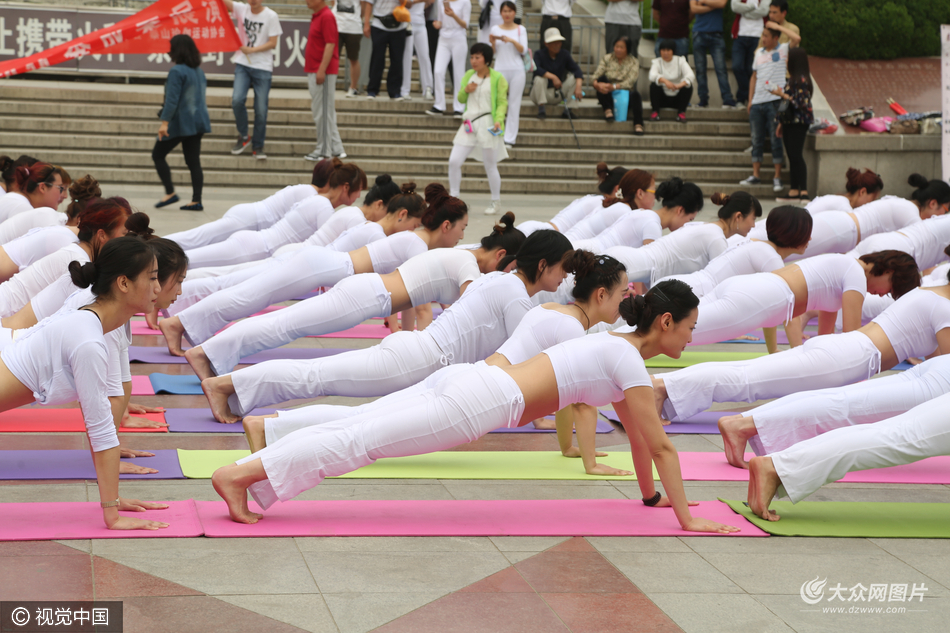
(541, 113)
(567, 114)
(194, 206)
(434, 111)
(165, 203)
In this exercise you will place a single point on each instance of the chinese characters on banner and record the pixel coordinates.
(100, 40)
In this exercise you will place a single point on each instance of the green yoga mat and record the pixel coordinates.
(853, 520)
(442, 465)
(688, 359)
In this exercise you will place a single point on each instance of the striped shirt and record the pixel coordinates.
(769, 67)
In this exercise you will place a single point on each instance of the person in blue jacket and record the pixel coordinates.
(185, 120)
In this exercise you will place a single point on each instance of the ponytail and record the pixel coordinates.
(504, 235)
(592, 272)
(671, 296)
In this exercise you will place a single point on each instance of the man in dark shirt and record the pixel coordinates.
(553, 63)
(673, 17)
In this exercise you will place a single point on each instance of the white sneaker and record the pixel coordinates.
(493, 208)
(341, 155)
(352, 92)
(405, 98)
(428, 95)
(777, 185)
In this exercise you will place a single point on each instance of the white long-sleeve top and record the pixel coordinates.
(675, 70)
(21, 223)
(17, 291)
(65, 358)
(38, 243)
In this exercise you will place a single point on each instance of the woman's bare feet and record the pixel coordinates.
(227, 483)
(544, 423)
(217, 390)
(173, 330)
(659, 397)
(199, 361)
(254, 432)
(736, 431)
(763, 482)
(151, 318)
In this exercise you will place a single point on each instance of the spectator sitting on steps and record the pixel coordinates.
(671, 82)
(553, 63)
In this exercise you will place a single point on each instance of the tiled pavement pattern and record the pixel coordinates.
(848, 84)
(465, 585)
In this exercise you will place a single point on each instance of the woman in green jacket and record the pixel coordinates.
(485, 95)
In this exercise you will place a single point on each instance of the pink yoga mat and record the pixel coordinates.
(363, 330)
(43, 420)
(75, 520)
(713, 467)
(142, 386)
(574, 517)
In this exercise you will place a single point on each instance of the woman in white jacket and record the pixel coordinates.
(671, 82)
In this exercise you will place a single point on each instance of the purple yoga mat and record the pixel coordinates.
(602, 427)
(701, 423)
(77, 464)
(201, 421)
(156, 355)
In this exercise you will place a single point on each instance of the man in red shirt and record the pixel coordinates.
(322, 63)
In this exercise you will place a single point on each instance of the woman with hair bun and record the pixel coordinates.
(441, 275)
(608, 182)
(28, 244)
(370, 247)
(470, 330)
(99, 222)
(65, 358)
(636, 190)
(680, 202)
(789, 229)
(8, 169)
(595, 370)
(600, 286)
(38, 185)
(257, 216)
(861, 187)
(345, 184)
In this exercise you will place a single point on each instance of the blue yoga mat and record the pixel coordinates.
(77, 464)
(176, 385)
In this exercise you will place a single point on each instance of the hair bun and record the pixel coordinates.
(505, 223)
(137, 224)
(408, 188)
(917, 181)
(435, 194)
(721, 199)
(632, 308)
(670, 188)
(602, 171)
(383, 179)
(83, 275)
(581, 263)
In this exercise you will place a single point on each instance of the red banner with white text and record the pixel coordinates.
(146, 32)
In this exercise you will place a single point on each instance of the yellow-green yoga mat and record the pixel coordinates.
(442, 465)
(851, 519)
(688, 359)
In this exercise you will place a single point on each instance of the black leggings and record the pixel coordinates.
(634, 110)
(793, 138)
(679, 101)
(191, 148)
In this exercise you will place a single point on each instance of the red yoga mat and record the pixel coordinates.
(37, 420)
(75, 520)
(573, 517)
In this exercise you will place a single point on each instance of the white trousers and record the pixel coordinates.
(457, 159)
(638, 262)
(456, 51)
(530, 226)
(399, 361)
(922, 432)
(796, 418)
(418, 40)
(293, 420)
(516, 80)
(195, 289)
(831, 232)
(483, 399)
(350, 302)
(307, 269)
(832, 360)
(240, 217)
(742, 304)
(240, 247)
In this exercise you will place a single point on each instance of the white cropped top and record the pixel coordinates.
(395, 250)
(828, 277)
(539, 330)
(437, 275)
(597, 221)
(596, 369)
(912, 323)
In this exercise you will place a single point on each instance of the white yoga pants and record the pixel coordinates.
(240, 247)
(832, 360)
(293, 420)
(787, 421)
(457, 159)
(399, 361)
(516, 80)
(348, 303)
(418, 40)
(530, 226)
(482, 400)
(831, 232)
(742, 304)
(922, 432)
(307, 269)
(240, 217)
(454, 49)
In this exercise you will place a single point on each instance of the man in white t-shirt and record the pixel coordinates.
(349, 23)
(259, 30)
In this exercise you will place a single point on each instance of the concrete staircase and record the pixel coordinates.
(108, 131)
